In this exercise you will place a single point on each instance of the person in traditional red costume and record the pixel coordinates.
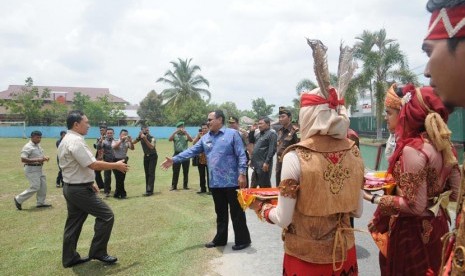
(425, 170)
(392, 105)
(445, 46)
(321, 180)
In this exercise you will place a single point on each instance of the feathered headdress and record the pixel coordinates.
(322, 109)
(346, 69)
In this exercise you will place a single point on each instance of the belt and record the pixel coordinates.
(150, 154)
(79, 184)
(33, 165)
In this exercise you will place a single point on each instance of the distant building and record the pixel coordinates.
(61, 94)
(131, 114)
(363, 108)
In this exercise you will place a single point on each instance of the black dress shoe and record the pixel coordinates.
(240, 246)
(147, 194)
(201, 192)
(212, 244)
(106, 259)
(78, 261)
(44, 205)
(18, 206)
(173, 189)
(186, 188)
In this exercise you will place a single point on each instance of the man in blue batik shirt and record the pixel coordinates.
(227, 165)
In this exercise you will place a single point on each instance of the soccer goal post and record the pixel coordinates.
(13, 129)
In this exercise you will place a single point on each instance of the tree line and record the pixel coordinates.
(186, 96)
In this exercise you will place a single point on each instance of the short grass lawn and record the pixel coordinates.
(159, 235)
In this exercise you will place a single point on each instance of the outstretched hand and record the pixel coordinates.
(121, 166)
(167, 163)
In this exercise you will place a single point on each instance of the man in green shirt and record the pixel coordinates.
(180, 137)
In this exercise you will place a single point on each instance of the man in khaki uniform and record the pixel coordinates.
(287, 136)
(32, 155)
(78, 165)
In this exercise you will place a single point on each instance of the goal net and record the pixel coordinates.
(13, 129)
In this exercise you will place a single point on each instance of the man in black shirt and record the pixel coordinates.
(263, 153)
(148, 144)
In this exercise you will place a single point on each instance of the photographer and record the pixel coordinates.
(148, 144)
(108, 156)
(180, 137)
(120, 149)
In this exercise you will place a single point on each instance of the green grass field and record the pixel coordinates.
(159, 235)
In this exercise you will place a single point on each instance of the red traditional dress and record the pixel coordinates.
(415, 216)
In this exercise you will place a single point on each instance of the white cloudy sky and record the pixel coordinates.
(245, 48)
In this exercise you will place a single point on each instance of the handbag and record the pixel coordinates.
(195, 161)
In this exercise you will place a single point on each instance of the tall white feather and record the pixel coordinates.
(345, 70)
(320, 65)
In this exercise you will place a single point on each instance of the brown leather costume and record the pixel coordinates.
(331, 177)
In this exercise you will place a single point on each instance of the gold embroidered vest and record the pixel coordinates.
(331, 177)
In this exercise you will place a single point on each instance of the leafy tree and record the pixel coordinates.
(114, 112)
(100, 111)
(380, 57)
(151, 109)
(248, 113)
(261, 109)
(230, 109)
(28, 102)
(184, 82)
(81, 102)
(404, 75)
(192, 113)
(55, 114)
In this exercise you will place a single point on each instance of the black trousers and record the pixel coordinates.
(204, 178)
(107, 181)
(261, 178)
(119, 179)
(224, 197)
(99, 179)
(59, 176)
(81, 202)
(185, 171)
(150, 164)
(279, 166)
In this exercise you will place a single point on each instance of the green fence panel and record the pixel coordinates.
(370, 151)
(456, 124)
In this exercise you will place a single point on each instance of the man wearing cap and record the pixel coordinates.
(32, 155)
(234, 124)
(263, 153)
(180, 139)
(445, 47)
(287, 135)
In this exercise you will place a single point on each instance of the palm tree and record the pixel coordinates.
(381, 57)
(184, 82)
